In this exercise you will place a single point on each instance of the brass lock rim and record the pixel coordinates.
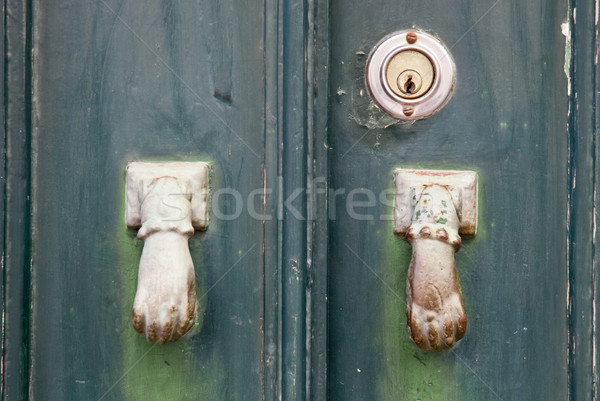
(430, 102)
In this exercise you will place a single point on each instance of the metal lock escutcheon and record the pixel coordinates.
(410, 75)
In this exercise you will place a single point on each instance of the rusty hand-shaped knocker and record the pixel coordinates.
(431, 207)
(434, 307)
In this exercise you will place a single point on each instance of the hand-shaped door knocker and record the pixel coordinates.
(167, 202)
(431, 208)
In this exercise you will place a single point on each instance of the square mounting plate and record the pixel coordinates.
(193, 176)
(409, 184)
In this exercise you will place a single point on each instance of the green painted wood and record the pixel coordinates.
(317, 77)
(116, 81)
(15, 198)
(582, 229)
(507, 120)
(294, 307)
(271, 258)
(293, 230)
(595, 147)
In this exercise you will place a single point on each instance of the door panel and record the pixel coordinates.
(121, 81)
(306, 302)
(506, 121)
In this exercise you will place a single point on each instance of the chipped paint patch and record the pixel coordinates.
(565, 28)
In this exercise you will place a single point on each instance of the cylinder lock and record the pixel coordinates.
(410, 75)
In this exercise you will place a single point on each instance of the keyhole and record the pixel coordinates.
(409, 85)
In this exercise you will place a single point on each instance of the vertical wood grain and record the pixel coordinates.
(582, 182)
(272, 95)
(117, 81)
(15, 198)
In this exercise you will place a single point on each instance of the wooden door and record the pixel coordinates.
(521, 116)
(105, 83)
(301, 296)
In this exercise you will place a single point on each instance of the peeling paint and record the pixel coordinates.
(594, 231)
(596, 12)
(565, 28)
(364, 111)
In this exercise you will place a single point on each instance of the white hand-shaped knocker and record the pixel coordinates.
(166, 201)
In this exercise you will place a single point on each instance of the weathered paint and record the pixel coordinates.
(160, 372)
(506, 120)
(507, 116)
(406, 369)
(124, 85)
(172, 370)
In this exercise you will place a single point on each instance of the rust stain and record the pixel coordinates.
(435, 173)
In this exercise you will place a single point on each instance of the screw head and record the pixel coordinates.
(408, 110)
(411, 37)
